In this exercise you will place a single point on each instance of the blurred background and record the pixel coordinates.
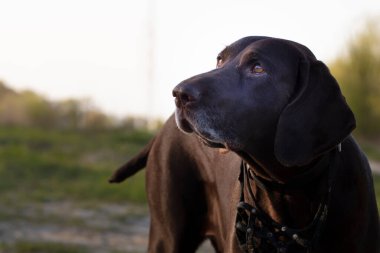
(85, 84)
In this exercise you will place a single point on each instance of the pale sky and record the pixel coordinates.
(105, 50)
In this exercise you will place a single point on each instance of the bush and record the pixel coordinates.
(357, 71)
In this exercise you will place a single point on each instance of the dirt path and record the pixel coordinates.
(100, 228)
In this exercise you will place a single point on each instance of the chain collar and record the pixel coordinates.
(257, 232)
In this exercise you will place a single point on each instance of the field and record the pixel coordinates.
(56, 182)
(53, 185)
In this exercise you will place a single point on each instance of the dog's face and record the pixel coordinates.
(241, 105)
(237, 102)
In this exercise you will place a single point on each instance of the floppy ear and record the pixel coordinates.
(316, 120)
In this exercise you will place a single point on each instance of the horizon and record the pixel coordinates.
(126, 57)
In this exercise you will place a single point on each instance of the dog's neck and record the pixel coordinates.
(277, 173)
(264, 163)
(289, 195)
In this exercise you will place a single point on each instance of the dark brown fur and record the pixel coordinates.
(280, 123)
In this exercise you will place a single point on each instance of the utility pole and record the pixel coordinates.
(150, 58)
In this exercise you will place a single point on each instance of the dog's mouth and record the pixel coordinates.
(182, 123)
(210, 143)
(187, 127)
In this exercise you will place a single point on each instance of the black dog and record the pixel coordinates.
(305, 185)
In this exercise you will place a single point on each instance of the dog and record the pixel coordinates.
(294, 180)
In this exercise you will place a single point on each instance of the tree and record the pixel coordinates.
(358, 73)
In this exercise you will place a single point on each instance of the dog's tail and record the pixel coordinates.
(134, 165)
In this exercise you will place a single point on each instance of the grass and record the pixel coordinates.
(43, 165)
(371, 149)
(50, 165)
(41, 247)
(38, 166)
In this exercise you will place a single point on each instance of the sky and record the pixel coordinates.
(126, 56)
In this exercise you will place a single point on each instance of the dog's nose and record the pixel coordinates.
(185, 94)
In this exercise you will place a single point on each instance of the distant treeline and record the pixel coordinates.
(29, 109)
(357, 70)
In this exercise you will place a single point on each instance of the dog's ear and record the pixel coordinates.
(316, 119)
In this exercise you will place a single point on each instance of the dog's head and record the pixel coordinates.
(269, 94)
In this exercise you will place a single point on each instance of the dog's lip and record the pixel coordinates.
(211, 143)
(186, 126)
(182, 123)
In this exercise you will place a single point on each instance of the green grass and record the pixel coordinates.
(40, 165)
(50, 165)
(43, 165)
(41, 247)
(371, 148)
(47, 164)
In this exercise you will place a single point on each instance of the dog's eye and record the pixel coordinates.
(219, 61)
(257, 69)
